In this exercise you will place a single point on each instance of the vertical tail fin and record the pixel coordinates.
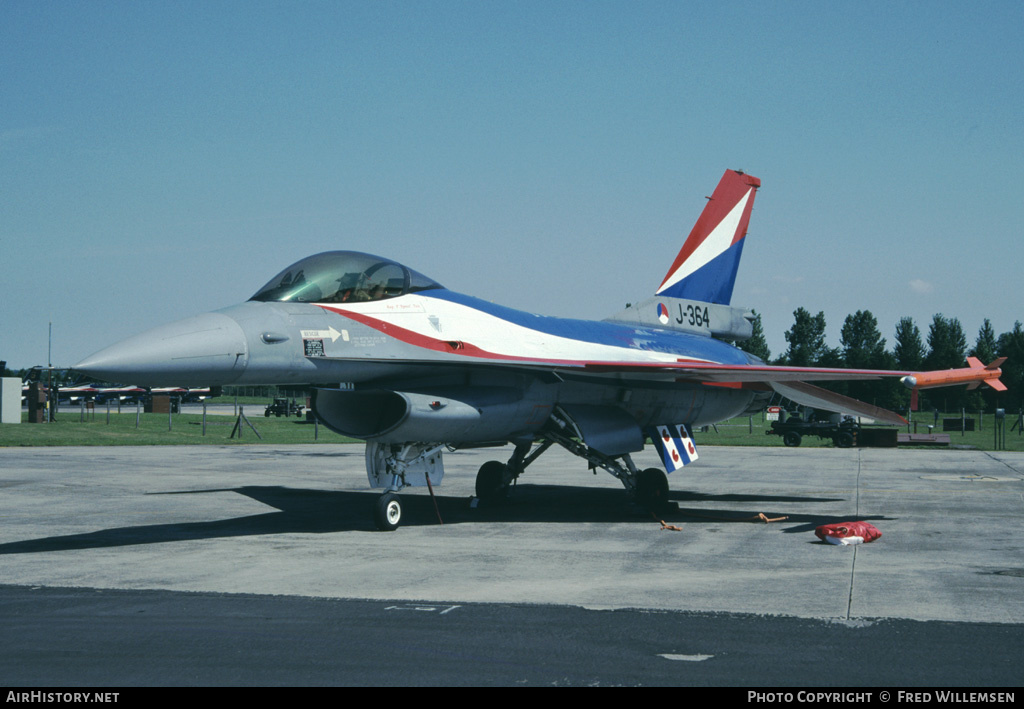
(705, 268)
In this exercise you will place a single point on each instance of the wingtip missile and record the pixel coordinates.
(974, 375)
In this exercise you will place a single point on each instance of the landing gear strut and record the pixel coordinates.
(394, 467)
(648, 487)
(494, 479)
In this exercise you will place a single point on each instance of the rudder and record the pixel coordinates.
(705, 268)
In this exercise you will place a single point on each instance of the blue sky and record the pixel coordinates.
(158, 160)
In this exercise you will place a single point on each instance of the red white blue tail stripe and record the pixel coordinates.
(675, 446)
(705, 268)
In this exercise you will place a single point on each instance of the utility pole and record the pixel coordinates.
(51, 414)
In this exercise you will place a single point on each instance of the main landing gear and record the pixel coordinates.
(493, 481)
(649, 487)
(394, 467)
(652, 489)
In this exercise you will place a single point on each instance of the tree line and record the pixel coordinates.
(863, 347)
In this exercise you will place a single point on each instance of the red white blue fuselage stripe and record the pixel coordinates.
(437, 319)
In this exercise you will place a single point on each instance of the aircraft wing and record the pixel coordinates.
(683, 370)
(712, 373)
(791, 382)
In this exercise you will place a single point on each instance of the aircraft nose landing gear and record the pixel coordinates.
(395, 467)
(387, 513)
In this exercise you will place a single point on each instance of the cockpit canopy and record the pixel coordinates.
(343, 277)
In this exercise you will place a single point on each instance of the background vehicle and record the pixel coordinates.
(282, 406)
(841, 429)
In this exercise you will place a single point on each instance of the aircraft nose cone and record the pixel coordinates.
(205, 350)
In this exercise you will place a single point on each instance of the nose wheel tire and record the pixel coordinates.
(387, 512)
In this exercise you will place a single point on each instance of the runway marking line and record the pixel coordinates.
(423, 608)
(685, 658)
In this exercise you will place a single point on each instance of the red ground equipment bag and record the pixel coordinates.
(848, 533)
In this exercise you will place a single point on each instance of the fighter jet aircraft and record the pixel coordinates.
(414, 369)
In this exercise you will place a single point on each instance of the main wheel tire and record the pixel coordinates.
(387, 512)
(791, 438)
(652, 488)
(492, 481)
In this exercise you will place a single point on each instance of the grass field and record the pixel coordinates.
(152, 430)
(187, 429)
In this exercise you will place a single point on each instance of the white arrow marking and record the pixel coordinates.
(329, 332)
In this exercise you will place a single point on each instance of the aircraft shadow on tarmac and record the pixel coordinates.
(306, 511)
(793, 524)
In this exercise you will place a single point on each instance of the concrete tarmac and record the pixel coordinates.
(260, 565)
(296, 520)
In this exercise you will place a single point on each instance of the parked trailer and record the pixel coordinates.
(841, 431)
